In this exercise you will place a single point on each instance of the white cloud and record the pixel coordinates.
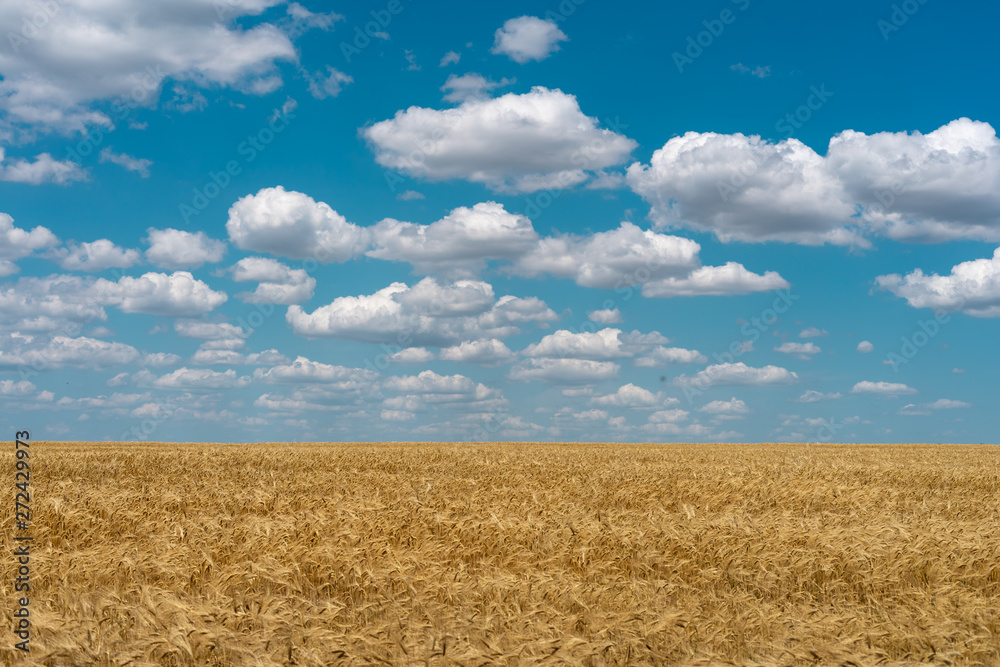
(177, 294)
(460, 242)
(16, 243)
(934, 187)
(12, 388)
(278, 283)
(177, 249)
(412, 355)
(603, 344)
(396, 415)
(664, 356)
(629, 396)
(409, 195)
(89, 53)
(730, 278)
(886, 388)
(514, 143)
(491, 352)
(948, 404)
(470, 86)
(450, 58)
(66, 352)
(813, 332)
(812, 396)
(160, 359)
(138, 165)
(527, 38)
(564, 371)
(742, 188)
(606, 316)
(193, 378)
(668, 416)
(864, 347)
(624, 256)
(96, 256)
(429, 313)
(429, 386)
(291, 224)
(800, 350)
(972, 287)
(734, 406)
(44, 169)
(329, 84)
(305, 371)
(738, 374)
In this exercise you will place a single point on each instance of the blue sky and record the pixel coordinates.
(252, 220)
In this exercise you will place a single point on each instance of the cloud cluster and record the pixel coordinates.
(908, 186)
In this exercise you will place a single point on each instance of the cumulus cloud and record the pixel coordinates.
(603, 344)
(58, 79)
(527, 38)
(514, 143)
(925, 409)
(738, 374)
(605, 316)
(291, 224)
(44, 168)
(96, 256)
(730, 278)
(885, 388)
(429, 313)
(864, 347)
(972, 287)
(176, 294)
(450, 58)
(661, 356)
(491, 352)
(278, 283)
(812, 396)
(13, 388)
(629, 396)
(624, 256)
(664, 265)
(412, 355)
(564, 371)
(67, 352)
(460, 242)
(16, 243)
(177, 249)
(936, 187)
(933, 187)
(813, 332)
(733, 406)
(306, 371)
(742, 188)
(470, 86)
(193, 378)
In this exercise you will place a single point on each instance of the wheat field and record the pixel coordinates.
(510, 553)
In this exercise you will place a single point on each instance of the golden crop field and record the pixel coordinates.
(482, 554)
